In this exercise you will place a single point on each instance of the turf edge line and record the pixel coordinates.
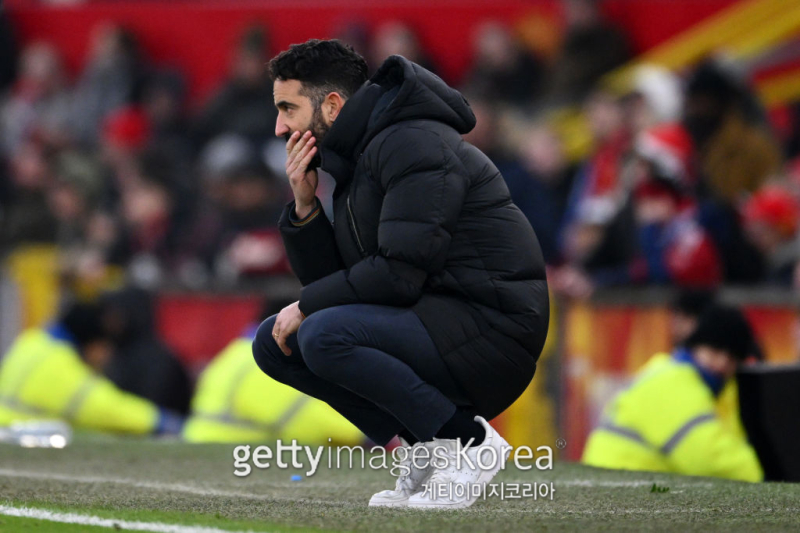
(87, 520)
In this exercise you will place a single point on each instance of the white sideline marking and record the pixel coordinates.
(687, 483)
(87, 520)
(155, 485)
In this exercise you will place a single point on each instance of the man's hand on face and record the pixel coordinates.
(288, 322)
(301, 151)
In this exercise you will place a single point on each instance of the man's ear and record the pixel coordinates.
(332, 106)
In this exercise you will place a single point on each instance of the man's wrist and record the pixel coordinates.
(301, 211)
(303, 215)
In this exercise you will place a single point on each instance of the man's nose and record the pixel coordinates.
(281, 128)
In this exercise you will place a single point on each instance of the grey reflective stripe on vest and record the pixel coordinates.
(670, 445)
(75, 402)
(676, 439)
(15, 404)
(623, 432)
(228, 416)
(289, 413)
(274, 428)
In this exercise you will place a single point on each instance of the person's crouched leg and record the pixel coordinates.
(367, 349)
(269, 357)
(327, 342)
(293, 371)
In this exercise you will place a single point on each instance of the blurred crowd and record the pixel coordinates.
(685, 181)
(115, 171)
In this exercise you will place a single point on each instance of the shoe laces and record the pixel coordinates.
(407, 466)
(444, 474)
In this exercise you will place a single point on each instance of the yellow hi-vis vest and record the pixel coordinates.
(44, 377)
(669, 421)
(236, 402)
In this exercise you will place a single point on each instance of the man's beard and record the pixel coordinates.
(318, 129)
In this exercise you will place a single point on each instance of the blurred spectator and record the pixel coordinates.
(674, 245)
(244, 105)
(73, 196)
(244, 241)
(39, 105)
(28, 218)
(669, 419)
(396, 38)
(656, 97)
(252, 205)
(52, 373)
(600, 192)
(591, 48)
(112, 78)
(141, 363)
(599, 231)
(502, 70)
(236, 225)
(735, 156)
(771, 222)
(126, 132)
(146, 236)
(540, 184)
(163, 105)
(686, 311)
(146, 206)
(221, 158)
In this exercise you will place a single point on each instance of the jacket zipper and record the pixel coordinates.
(353, 227)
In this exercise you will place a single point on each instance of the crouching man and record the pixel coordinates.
(424, 306)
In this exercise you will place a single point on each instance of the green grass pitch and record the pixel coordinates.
(122, 482)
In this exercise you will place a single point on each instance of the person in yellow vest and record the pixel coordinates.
(235, 401)
(670, 420)
(50, 373)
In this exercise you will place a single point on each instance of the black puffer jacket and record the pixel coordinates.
(424, 220)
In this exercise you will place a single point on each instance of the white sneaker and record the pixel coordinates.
(451, 487)
(409, 481)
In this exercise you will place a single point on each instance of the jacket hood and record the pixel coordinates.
(411, 92)
(399, 91)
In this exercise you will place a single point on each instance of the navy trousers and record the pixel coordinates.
(376, 365)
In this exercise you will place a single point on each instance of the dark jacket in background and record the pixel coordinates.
(425, 220)
(142, 364)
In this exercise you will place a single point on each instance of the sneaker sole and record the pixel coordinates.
(388, 504)
(483, 478)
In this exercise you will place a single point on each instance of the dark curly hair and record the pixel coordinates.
(322, 67)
